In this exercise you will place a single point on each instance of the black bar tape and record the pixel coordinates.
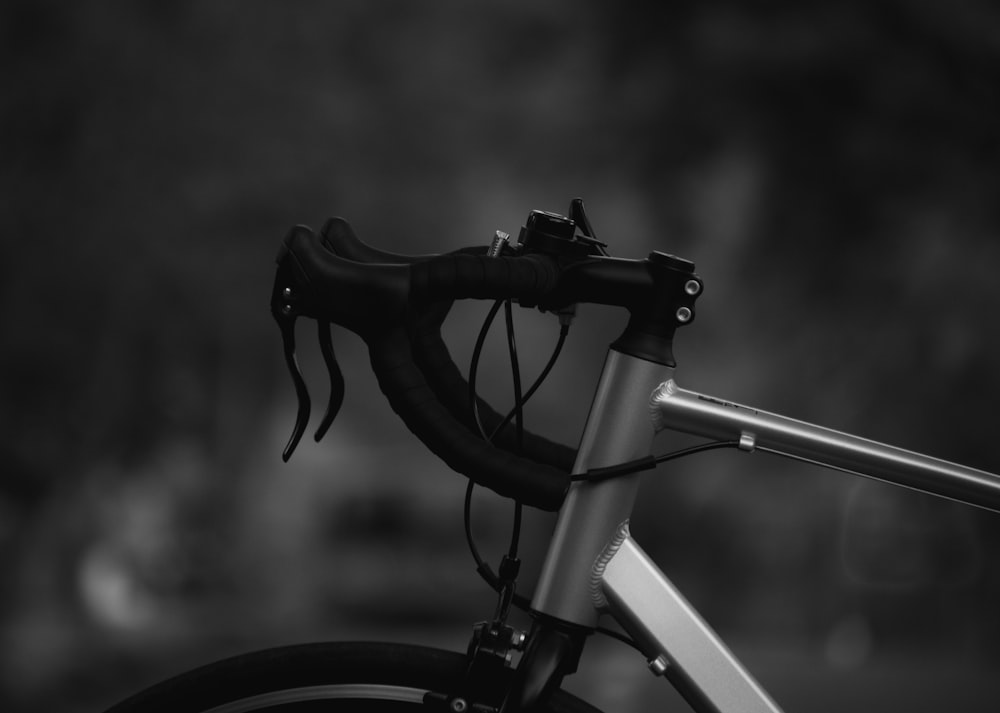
(383, 303)
(451, 387)
(412, 398)
(434, 360)
(528, 278)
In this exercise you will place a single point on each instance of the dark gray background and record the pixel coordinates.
(832, 169)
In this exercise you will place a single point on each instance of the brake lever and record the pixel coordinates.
(283, 308)
(286, 307)
(336, 380)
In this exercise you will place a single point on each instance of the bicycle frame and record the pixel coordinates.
(593, 565)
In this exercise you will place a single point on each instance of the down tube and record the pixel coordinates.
(648, 606)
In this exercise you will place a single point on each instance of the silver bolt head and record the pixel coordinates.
(683, 315)
(500, 239)
(286, 309)
(747, 442)
(658, 666)
(287, 293)
(459, 705)
(692, 287)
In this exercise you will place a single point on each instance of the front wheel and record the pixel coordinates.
(365, 677)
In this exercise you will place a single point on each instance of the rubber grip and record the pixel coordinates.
(339, 237)
(360, 296)
(412, 398)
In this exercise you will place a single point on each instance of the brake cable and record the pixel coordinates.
(516, 414)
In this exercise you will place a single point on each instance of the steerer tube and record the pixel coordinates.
(690, 412)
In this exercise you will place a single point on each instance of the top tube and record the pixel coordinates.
(690, 412)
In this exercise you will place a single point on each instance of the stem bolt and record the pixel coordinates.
(684, 315)
(458, 705)
(692, 287)
(287, 293)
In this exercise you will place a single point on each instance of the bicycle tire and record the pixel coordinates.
(350, 676)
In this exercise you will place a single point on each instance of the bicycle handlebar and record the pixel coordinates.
(433, 359)
(397, 304)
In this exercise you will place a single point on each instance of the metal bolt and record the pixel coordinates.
(458, 705)
(683, 315)
(692, 287)
(658, 666)
(517, 640)
(286, 309)
(287, 293)
(500, 239)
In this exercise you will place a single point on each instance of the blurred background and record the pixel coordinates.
(831, 168)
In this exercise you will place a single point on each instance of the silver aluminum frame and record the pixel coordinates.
(594, 566)
(619, 429)
(680, 644)
(690, 412)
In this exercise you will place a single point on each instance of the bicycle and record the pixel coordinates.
(593, 566)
